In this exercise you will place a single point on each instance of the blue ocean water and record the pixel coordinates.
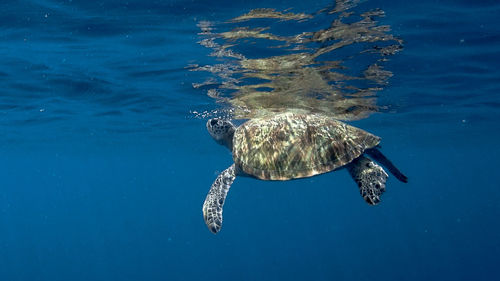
(105, 165)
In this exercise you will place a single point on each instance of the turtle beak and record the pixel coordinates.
(221, 131)
(212, 126)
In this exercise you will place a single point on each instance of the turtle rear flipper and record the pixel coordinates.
(379, 157)
(370, 178)
(212, 208)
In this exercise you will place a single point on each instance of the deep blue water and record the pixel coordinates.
(105, 167)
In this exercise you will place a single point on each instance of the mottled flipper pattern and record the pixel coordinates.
(212, 208)
(379, 157)
(370, 178)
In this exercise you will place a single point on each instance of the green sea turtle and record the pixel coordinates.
(289, 146)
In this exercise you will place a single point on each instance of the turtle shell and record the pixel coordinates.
(290, 145)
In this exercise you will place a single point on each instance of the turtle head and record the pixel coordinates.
(222, 131)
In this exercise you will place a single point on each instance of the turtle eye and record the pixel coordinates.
(213, 122)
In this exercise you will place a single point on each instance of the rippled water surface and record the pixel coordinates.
(105, 160)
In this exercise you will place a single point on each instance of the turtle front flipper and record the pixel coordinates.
(212, 208)
(370, 178)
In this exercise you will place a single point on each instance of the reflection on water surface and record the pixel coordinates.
(332, 63)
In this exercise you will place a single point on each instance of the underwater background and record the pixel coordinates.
(105, 160)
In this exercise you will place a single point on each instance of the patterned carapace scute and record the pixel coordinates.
(291, 145)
